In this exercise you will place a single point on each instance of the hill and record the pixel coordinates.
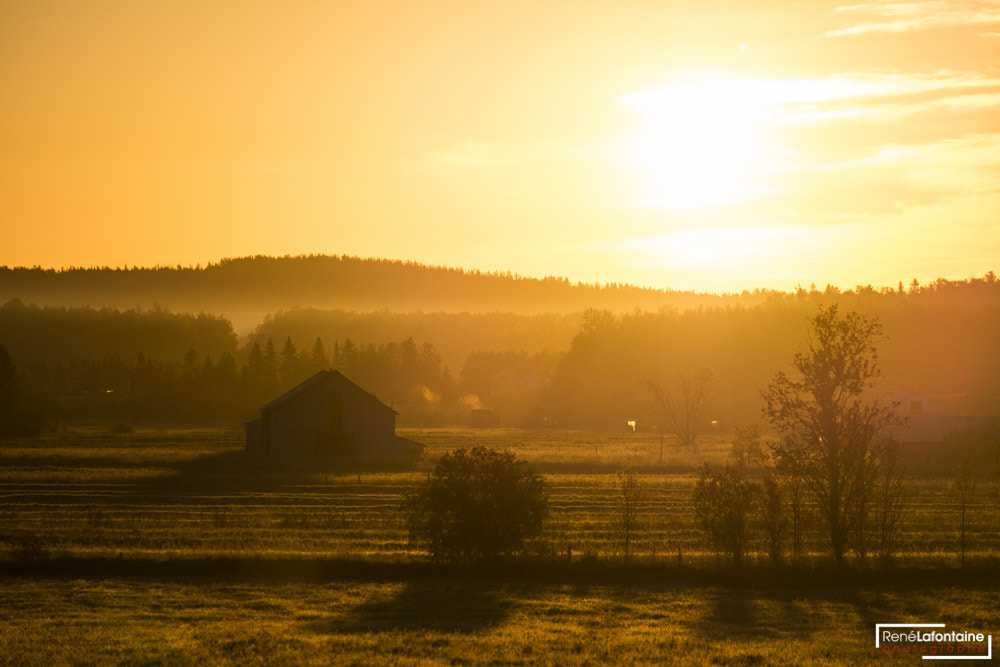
(244, 289)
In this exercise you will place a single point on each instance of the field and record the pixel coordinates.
(168, 546)
(191, 493)
(467, 621)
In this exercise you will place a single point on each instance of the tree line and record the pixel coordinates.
(592, 369)
(205, 388)
(260, 284)
(939, 341)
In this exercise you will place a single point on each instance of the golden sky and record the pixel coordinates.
(695, 145)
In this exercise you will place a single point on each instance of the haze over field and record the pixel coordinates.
(722, 146)
(498, 331)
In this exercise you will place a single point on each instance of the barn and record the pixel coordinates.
(328, 417)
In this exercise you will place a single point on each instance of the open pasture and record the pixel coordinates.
(170, 547)
(457, 621)
(192, 493)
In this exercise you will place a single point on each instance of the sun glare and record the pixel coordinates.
(696, 146)
(710, 141)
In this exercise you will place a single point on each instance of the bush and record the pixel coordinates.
(478, 504)
(724, 503)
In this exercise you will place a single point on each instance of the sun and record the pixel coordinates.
(717, 138)
(698, 143)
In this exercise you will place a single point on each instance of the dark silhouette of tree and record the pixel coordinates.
(724, 504)
(347, 359)
(773, 514)
(832, 436)
(627, 509)
(887, 509)
(257, 378)
(478, 504)
(271, 360)
(16, 418)
(682, 409)
(10, 394)
(964, 485)
(318, 358)
(747, 448)
(189, 371)
(289, 368)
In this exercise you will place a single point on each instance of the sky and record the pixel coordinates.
(710, 146)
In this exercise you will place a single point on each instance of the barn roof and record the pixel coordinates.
(928, 405)
(320, 378)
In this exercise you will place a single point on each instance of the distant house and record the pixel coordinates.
(328, 417)
(914, 404)
(927, 420)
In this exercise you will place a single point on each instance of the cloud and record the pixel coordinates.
(844, 95)
(888, 98)
(894, 178)
(921, 15)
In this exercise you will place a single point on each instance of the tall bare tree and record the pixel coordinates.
(682, 408)
(628, 510)
(965, 483)
(832, 433)
(890, 493)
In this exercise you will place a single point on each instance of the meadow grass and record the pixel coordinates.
(134, 548)
(189, 492)
(463, 620)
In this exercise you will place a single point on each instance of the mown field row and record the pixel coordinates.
(201, 497)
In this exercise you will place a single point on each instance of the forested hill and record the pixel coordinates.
(246, 288)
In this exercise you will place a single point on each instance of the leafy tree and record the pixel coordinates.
(833, 435)
(15, 418)
(747, 448)
(10, 393)
(724, 504)
(773, 515)
(478, 504)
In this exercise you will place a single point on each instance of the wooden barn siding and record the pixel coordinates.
(295, 423)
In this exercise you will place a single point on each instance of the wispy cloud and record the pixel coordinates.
(889, 16)
(845, 95)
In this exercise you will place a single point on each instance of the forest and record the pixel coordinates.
(587, 368)
(244, 289)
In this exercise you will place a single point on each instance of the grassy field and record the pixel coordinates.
(192, 493)
(458, 622)
(127, 548)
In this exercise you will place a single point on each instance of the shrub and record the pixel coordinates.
(478, 504)
(724, 503)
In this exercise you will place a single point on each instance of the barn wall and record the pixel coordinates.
(367, 426)
(292, 426)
